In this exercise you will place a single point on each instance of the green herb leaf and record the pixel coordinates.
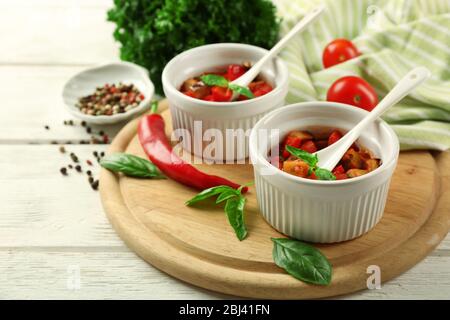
(131, 165)
(241, 90)
(309, 158)
(208, 193)
(234, 208)
(302, 261)
(324, 174)
(227, 195)
(214, 80)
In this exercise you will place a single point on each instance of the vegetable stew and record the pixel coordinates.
(356, 162)
(216, 86)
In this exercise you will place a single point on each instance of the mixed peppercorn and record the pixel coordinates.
(110, 100)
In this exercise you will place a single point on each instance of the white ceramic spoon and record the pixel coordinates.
(251, 74)
(330, 156)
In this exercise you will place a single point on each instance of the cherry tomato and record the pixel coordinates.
(234, 71)
(221, 94)
(354, 91)
(334, 136)
(338, 51)
(309, 146)
(293, 142)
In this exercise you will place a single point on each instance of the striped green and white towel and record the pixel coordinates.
(393, 36)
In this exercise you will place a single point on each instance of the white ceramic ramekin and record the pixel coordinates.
(321, 211)
(220, 115)
(85, 82)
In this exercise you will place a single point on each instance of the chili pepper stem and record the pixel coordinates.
(154, 107)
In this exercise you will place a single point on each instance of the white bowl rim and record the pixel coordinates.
(384, 165)
(120, 116)
(234, 104)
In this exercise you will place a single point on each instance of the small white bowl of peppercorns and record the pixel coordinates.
(109, 93)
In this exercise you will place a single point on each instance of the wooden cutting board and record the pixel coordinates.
(198, 246)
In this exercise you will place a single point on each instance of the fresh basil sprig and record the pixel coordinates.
(302, 261)
(311, 160)
(220, 81)
(234, 206)
(131, 165)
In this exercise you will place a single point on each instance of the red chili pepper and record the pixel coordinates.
(157, 147)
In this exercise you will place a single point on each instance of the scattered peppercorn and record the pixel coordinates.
(94, 185)
(70, 166)
(63, 171)
(62, 149)
(102, 154)
(89, 173)
(95, 153)
(91, 180)
(101, 132)
(73, 157)
(54, 142)
(47, 127)
(83, 123)
(78, 168)
(111, 99)
(88, 129)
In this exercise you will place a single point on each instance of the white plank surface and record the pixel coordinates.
(52, 226)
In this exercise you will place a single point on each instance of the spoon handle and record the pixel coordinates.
(251, 74)
(414, 78)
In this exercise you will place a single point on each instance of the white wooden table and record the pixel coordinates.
(55, 241)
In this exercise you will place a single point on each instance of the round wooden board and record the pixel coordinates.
(198, 246)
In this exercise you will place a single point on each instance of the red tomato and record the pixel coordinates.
(312, 176)
(234, 71)
(341, 176)
(221, 94)
(189, 93)
(209, 98)
(338, 51)
(309, 146)
(260, 88)
(293, 142)
(354, 91)
(334, 136)
(339, 169)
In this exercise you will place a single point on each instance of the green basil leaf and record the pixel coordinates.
(309, 158)
(324, 174)
(208, 193)
(227, 195)
(214, 80)
(241, 90)
(234, 208)
(302, 261)
(131, 165)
